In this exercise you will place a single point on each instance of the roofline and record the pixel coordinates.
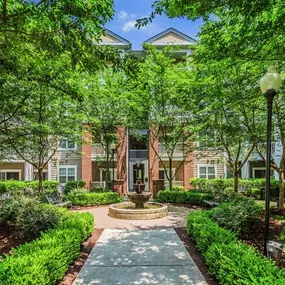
(123, 40)
(171, 29)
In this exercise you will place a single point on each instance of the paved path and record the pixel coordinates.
(176, 218)
(139, 257)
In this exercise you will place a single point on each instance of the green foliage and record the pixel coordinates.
(229, 260)
(15, 186)
(73, 185)
(98, 189)
(206, 232)
(91, 199)
(45, 261)
(28, 217)
(237, 263)
(183, 197)
(47, 184)
(176, 188)
(3, 187)
(236, 214)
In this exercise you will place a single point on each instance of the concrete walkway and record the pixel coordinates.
(139, 257)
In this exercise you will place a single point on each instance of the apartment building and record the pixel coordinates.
(134, 158)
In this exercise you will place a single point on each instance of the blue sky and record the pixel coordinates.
(126, 13)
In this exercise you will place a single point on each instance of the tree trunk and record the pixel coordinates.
(170, 173)
(281, 190)
(236, 181)
(40, 172)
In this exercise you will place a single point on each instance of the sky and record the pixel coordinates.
(126, 13)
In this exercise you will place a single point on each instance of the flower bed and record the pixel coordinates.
(230, 260)
(90, 198)
(183, 197)
(44, 261)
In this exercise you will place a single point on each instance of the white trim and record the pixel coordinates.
(261, 168)
(49, 170)
(111, 174)
(173, 171)
(12, 170)
(206, 165)
(65, 166)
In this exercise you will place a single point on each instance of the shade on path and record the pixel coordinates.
(139, 257)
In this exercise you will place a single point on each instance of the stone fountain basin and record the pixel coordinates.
(116, 211)
(139, 199)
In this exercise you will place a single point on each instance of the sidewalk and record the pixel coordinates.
(139, 257)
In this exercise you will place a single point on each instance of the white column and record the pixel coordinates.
(49, 170)
(245, 171)
(28, 172)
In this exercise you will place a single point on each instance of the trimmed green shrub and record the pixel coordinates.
(98, 189)
(236, 214)
(183, 197)
(91, 199)
(3, 187)
(231, 261)
(28, 217)
(45, 261)
(237, 263)
(47, 184)
(177, 188)
(15, 186)
(73, 185)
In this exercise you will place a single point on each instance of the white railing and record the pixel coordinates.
(10, 154)
(98, 183)
(177, 151)
(135, 153)
(98, 150)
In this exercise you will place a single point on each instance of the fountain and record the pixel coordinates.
(139, 208)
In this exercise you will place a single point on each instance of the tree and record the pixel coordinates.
(105, 106)
(164, 86)
(37, 129)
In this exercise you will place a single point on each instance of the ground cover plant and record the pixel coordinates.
(84, 198)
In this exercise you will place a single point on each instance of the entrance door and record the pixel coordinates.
(138, 172)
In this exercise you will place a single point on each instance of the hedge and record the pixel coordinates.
(73, 185)
(231, 261)
(45, 261)
(91, 198)
(183, 197)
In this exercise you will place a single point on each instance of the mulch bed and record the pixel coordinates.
(254, 235)
(196, 255)
(8, 240)
(75, 267)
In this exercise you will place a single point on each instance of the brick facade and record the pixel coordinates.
(86, 159)
(188, 170)
(122, 157)
(153, 161)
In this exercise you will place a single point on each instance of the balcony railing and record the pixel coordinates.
(161, 151)
(9, 154)
(98, 183)
(143, 154)
(98, 151)
(174, 184)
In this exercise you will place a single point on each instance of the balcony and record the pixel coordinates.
(10, 155)
(178, 153)
(138, 154)
(99, 152)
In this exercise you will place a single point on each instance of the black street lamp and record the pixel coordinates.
(269, 85)
(113, 148)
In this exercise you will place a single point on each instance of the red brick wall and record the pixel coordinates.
(122, 157)
(153, 161)
(188, 170)
(86, 159)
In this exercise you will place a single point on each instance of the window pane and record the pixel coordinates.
(161, 174)
(13, 175)
(211, 170)
(71, 144)
(210, 176)
(71, 171)
(62, 171)
(71, 178)
(2, 175)
(62, 179)
(63, 144)
(203, 170)
(203, 176)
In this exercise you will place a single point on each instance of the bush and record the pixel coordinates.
(72, 185)
(28, 217)
(91, 199)
(231, 261)
(236, 214)
(15, 186)
(47, 185)
(177, 188)
(98, 189)
(3, 187)
(45, 261)
(182, 197)
(237, 263)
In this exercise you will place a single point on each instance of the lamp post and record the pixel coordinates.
(113, 148)
(269, 85)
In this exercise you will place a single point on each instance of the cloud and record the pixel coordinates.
(128, 26)
(122, 15)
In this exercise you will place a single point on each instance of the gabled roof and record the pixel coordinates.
(182, 39)
(111, 38)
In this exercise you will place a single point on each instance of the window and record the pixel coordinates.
(67, 173)
(36, 175)
(10, 174)
(103, 174)
(207, 172)
(67, 144)
(260, 172)
(162, 175)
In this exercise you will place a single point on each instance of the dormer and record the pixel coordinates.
(112, 39)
